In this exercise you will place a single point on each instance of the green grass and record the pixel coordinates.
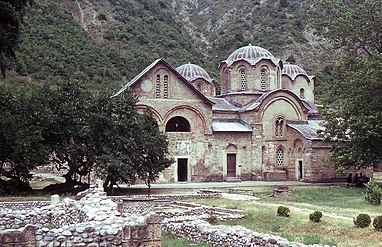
(170, 240)
(263, 218)
(337, 200)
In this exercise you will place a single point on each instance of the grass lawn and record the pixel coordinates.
(262, 218)
(337, 200)
(169, 240)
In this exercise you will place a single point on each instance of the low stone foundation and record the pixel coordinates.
(92, 221)
(200, 231)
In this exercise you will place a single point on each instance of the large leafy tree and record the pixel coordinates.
(23, 120)
(132, 145)
(354, 102)
(69, 134)
(11, 14)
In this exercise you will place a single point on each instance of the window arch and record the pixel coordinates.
(302, 93)
(178, 124)
(157, 87)
(199, 87)
(263, 77)
(165, 86)
(243, 79)
(280, 157)
(279, 126)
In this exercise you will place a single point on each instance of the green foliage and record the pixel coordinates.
(362, 220)
(283, 211)
(53, 45)
(315, 216)
(377, 223)
(373, 192)
(24, 117)
(353, 101)
(11, 14)
(212, 219)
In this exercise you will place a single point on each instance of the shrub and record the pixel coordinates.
(377, 223)
(212, 220)
(283, 211)
(362, 220)
(373, 192)
(315, 216)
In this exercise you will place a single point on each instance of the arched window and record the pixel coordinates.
(279, 126)
(165, 87)
(280, 157)
(199, 87)
(302, 93)
(243, 79)
(157, 87)
(263, 77)
(178, 124)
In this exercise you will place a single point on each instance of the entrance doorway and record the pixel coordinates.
(231, 165)
(299, 169)
(182, 170)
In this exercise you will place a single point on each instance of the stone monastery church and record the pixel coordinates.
(263, 125)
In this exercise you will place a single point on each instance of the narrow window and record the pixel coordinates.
(199, 87)
(280, 157)
(263, 78)
(157, 87)
(165, 86)
(178, 124)
(302, 93)
(279, 127)
(243, 79)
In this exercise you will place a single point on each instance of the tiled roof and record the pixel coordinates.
(252, 54)
(222, 104)
(307, 128)
(192, 72)
(293, 71)
(230, 125)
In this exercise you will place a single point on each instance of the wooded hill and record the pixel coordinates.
(109, 42)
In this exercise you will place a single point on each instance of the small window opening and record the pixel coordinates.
(280, 157)
(157, 87)
(243, 78)
(165, 87)
(279, 126)
(302, 93)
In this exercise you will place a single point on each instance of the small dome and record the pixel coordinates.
(192, 72)
(293, 71)
(251, 54)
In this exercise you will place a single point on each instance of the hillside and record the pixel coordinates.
(102, 42)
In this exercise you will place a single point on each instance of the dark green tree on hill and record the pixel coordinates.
(11, 15)
(354, 102)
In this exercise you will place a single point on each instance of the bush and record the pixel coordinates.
(315, 216)
(362, 220)
(373, 192)
(377, 223)
(212, 220)
(283, 211)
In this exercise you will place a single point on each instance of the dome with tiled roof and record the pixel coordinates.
(293, 71)
(252, 54)
(192, 72)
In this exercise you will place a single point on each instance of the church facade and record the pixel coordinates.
(262, 126)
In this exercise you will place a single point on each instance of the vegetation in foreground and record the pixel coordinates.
(170, 240)
(348, 202)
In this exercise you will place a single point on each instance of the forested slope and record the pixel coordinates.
(101, 42)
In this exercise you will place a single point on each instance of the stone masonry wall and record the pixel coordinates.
(91, 221)
(226, 236)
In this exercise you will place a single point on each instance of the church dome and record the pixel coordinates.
(192, 72)
(293, 71)
(252, 54)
